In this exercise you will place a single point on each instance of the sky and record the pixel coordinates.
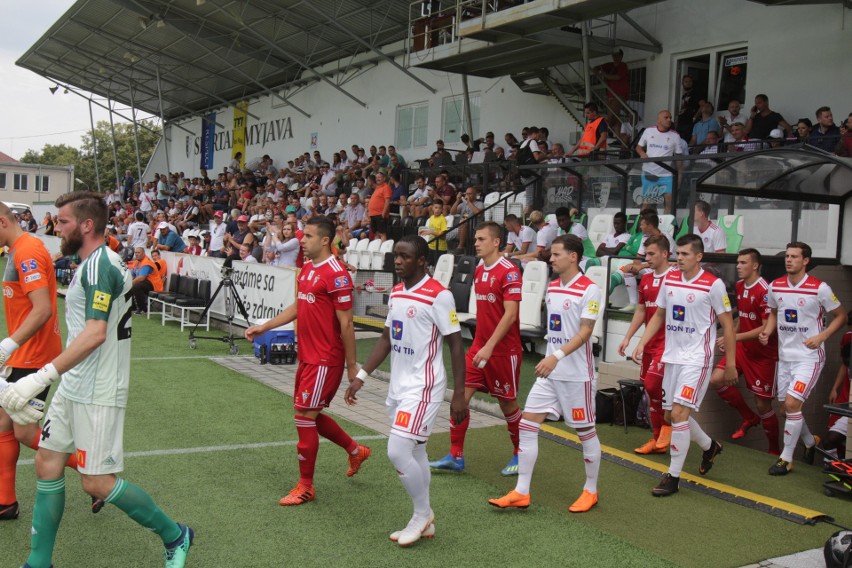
(30, 116)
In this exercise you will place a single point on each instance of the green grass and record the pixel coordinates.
(230, 497)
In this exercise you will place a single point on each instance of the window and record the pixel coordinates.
(42, 183)
(412, 123)
(453, 119)
(2, 180)
(637, 84)
(21, 182)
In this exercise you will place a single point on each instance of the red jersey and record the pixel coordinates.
(324, 288)
(753, 309)
(649, 287)
(494, 285)
(28, 268)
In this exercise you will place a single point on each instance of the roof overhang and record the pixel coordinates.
(198, 55)
(798, 173)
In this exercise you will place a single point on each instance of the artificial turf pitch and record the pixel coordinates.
(180, 399)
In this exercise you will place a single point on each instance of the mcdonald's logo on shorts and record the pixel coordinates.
(81, 458)
(687, 393)
(402, 419)
(578, 414)
(799, 387)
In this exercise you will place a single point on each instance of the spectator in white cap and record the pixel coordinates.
(168, 239)
(194, 244)
(217, 236)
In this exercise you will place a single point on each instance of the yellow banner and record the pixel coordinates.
(238, 146)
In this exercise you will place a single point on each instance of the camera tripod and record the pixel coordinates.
(232, 303)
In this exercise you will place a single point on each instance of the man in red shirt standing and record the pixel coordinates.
(326, 341)
(617, 78)
(379, 207)
(494, 359)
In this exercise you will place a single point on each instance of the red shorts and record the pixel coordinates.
(652, 369)
(759, 373)
(316, 385)
(499, 377)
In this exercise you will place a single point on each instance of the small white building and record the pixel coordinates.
(33, 184)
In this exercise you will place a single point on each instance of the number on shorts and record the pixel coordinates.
(45, 431)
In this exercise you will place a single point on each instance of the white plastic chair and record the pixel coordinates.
(378, 260)
(532, 296)
(600, 227)
(351, 254)
(667, 224)
(444, 270)
(360, 248)
(365, 260)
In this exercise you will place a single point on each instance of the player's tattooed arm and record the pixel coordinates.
(546, 365)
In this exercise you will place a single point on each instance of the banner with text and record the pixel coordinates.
(208, 135)
(264, 290)
(239, 138)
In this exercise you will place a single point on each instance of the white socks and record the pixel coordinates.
(591, 458)
(527, 454)
(405, 455)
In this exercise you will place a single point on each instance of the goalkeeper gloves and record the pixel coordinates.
(30, 414)
(7, 347)
(16, 396)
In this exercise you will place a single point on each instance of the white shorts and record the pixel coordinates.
(95, 433)
(797, 378)
(684, 384)
(412, 418)
(572, 400)
(841, 426)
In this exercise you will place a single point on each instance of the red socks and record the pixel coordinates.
(457, 434)
(512, 422)
(732, 396)
(9, 450)
(769, 421)
(307, 448)
(331, 430)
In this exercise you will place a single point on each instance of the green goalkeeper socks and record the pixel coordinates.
(47, 513)
(140, 507)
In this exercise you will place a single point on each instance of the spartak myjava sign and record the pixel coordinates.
(261, 133)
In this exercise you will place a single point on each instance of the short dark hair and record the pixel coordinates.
(421, 249)
(86, 205)
(805, 248)
(762, 97)
(562, 212)
(571, 243)
(660, 241)
(140, 216)
(753, 253)
(492, 227)
(691, 240)
(511, 218)
(704, 207)
(821, 110)
(324, 225)
(651, 218)
(591, 106)
(620, 215)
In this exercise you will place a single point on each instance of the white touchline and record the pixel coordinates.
(229, 448)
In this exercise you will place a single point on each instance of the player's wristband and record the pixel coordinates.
(362, 375)
(559, 354)
(47, 375)
(9, 345)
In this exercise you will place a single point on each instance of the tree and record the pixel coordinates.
(83, 159)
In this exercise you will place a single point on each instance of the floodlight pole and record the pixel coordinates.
(163, 120)
(94, 146)
(468, 120)
(136, 139)
(114, 149)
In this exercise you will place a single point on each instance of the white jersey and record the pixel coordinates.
(525, 235)
(691, 307)
(137, 234)
(801, 309)
(418, 319)
(658, 144)
(714, 238)
(545, 236)
(100, 290)
(567, 304)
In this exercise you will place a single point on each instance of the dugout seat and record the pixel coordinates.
(667, 224)
(378, 258)
(532, 297)
(444, 270)
(351, 256)
(600, 227)
(360, 247)
(462, 282)
(490, 200)
(365, 258)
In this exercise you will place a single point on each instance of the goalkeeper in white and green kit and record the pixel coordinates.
(86, 416)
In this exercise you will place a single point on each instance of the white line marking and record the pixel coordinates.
(191, 357)
(228, 448)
